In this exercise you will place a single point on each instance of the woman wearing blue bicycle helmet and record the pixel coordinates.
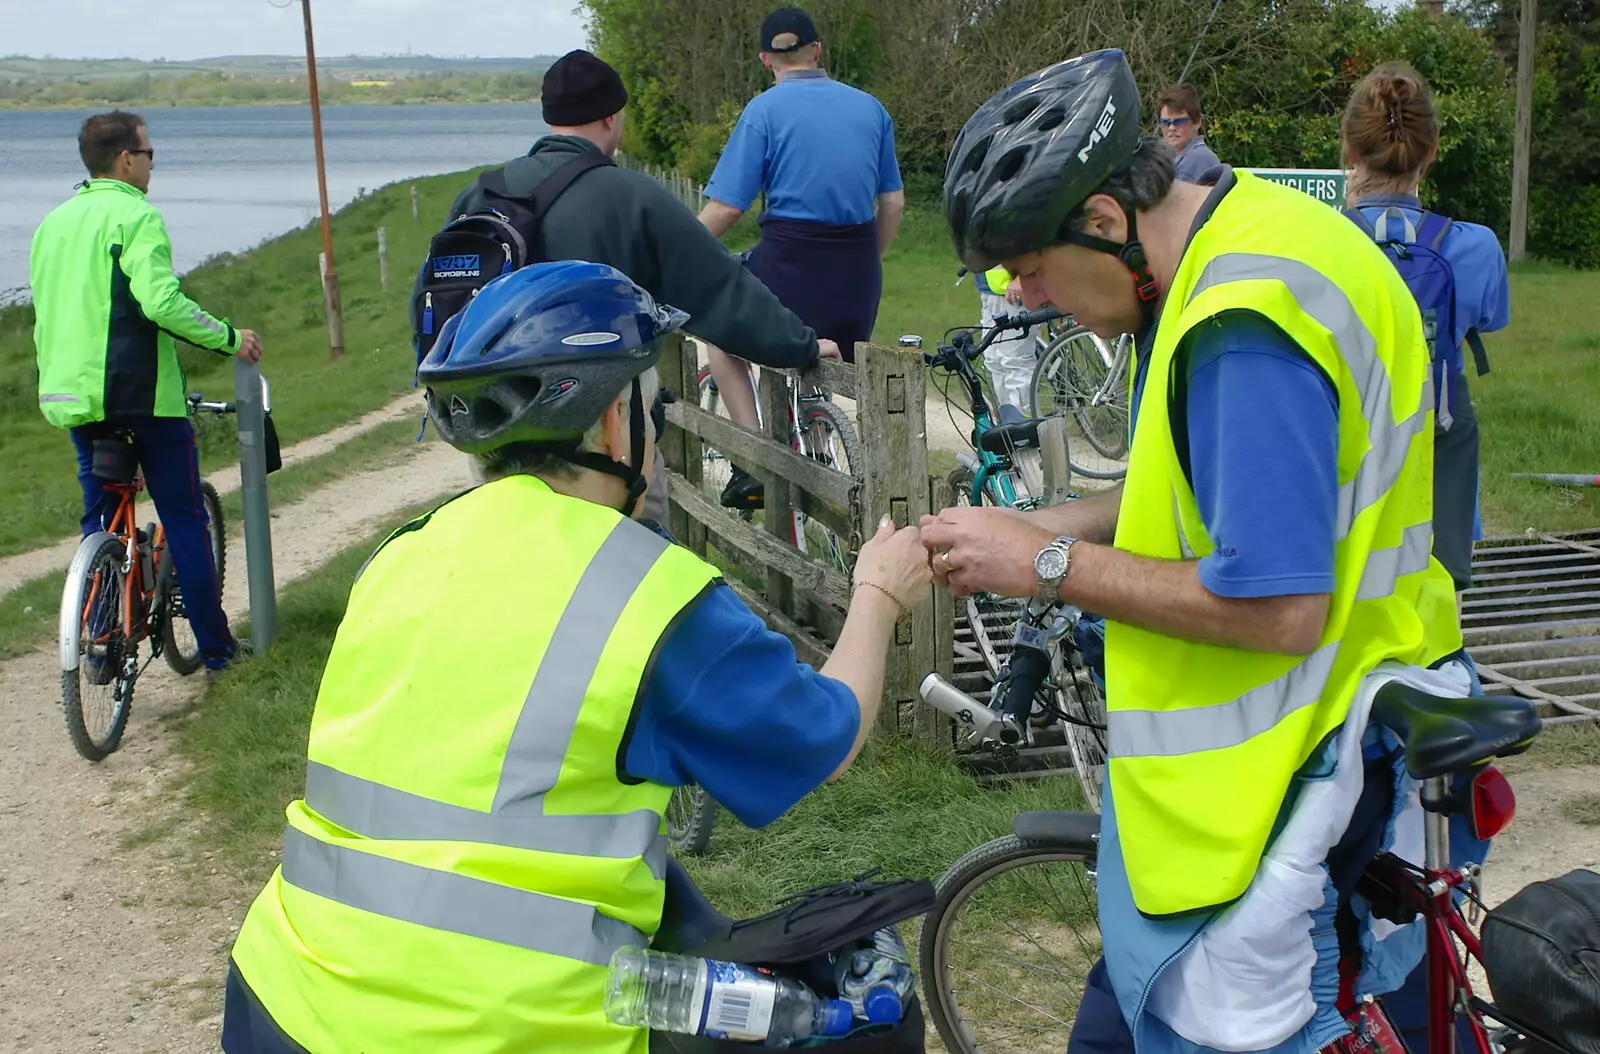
(521, 678)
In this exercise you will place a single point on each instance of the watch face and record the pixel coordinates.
(1051, 563)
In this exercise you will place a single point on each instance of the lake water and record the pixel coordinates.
(227, 178)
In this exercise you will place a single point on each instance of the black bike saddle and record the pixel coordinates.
(1444, 735)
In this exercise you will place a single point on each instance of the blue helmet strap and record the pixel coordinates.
(632, 475)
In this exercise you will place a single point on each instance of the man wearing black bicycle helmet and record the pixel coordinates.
(521, 677)
(1266, 554)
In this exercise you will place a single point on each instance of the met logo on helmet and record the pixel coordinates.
(1102, 128)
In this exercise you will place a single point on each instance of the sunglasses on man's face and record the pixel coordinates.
(149, 152)
(1173, 122)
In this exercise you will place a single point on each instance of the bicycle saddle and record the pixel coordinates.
(1014, 432)
(1444, 736)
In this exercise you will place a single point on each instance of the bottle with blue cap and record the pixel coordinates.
(721, 1000)
(876, 981)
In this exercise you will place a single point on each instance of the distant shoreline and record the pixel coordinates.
(206, 104)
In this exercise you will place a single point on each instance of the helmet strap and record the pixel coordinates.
(633, 474)
(1131, 253)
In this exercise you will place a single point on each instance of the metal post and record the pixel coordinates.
(383, 258)
(330, 278)
(251, 423)
(1523, 142)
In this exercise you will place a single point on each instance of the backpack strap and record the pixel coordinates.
(1480, 357)
(1395, 216)
(1432, 229)
(1359, 218)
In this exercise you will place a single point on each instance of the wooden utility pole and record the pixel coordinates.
(330, 279)
(1524, 132)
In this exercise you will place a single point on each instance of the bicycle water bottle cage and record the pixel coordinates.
(114, 458)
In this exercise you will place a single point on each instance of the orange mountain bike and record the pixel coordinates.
(122, 591)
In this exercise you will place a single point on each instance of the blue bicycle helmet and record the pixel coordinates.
(537, 356)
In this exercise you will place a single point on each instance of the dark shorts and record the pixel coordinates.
(828, 275)
(1455, 486)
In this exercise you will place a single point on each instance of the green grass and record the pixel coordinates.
(1537, 408)
(275, 290)
(1584, 809)
(28, 613)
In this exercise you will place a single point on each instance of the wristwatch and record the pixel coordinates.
(1051, 566)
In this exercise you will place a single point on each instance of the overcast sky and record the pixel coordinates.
(190, 29)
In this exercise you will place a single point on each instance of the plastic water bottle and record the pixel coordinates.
(721, 1000)
(877, 981)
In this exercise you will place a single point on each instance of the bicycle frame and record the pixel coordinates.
(137, 593)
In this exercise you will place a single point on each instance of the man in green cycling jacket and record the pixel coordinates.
(108, 312)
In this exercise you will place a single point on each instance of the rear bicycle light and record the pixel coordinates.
(1493, 804)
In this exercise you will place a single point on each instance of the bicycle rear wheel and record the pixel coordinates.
(97, 689)
(1008, 946)
(691, 815)
(178, 644)
(827, 435)
(1066, 381)
(714, 466)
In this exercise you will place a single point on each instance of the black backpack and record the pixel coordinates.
(474, 249)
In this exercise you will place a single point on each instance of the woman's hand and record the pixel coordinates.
(896, 563)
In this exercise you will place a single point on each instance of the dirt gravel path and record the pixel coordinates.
(112, 936)
(24, 567)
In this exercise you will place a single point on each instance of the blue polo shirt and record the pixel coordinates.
(823, 152)
(726, 705)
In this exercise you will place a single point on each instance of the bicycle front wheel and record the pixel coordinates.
(98, 660)
(1008, 946)
(178, 644)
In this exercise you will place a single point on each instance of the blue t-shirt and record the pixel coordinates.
(823, 151)
(1483, 293)
(726, 705)
(1262, 426)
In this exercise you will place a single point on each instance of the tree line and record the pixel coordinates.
(1273, 75)
(223, 89)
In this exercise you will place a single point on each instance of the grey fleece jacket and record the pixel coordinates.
(628, 220)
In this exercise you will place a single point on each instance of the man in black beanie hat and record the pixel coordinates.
(628, 220)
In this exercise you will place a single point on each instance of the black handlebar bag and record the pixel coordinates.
(794, 941)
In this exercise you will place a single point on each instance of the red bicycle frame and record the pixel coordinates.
(137, 593)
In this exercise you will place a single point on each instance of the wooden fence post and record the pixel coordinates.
(383, 258)
(778, 508)
(679, 368)
(415, 215)
(891, 390)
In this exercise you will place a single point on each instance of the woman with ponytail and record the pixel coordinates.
(1391, 138)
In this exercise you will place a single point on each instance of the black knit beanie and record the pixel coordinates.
(579, 89)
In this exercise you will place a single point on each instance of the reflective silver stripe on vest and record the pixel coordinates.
(1385, 567)
(1169, 733)
(59, 397)
(538, 743)
(1322, 300)
(376, 811)
(455, 903)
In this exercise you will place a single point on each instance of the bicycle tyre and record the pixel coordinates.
(1055, 390)
(1105, 427)
(828, 415)
(185, 660)
(952, 891)
(691, 816)
(104, 563)
(715, 467)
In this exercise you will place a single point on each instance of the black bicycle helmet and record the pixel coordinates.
(537, 356)
(1034, 152)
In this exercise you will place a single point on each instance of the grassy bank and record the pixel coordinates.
(274, 289)
(902, 808)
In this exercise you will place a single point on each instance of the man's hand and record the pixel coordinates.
(249, 346)
(984, 550)
(827, 349)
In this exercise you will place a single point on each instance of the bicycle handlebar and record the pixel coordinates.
(1022, 320)
(978, 720)
(1029, 666)
(197, 402)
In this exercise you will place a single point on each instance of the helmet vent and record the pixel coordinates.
(976, 155)
(1009, 165)
(1020, 109)
(1050, 120)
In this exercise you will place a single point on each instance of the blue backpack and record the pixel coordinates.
(1415, 252)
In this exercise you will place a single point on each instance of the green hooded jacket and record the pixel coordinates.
(108, 307)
